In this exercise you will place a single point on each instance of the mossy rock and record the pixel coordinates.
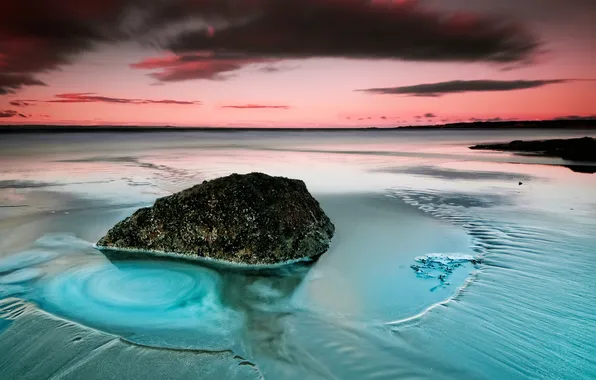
(251, 219)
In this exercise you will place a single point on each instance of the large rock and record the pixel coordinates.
(247, 219)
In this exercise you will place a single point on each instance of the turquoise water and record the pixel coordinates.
(443, 265)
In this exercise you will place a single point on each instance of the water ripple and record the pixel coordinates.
(154, 303)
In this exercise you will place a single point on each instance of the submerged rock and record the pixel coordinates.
(578, 149)
(250, 219)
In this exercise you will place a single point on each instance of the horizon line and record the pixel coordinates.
(544, 123)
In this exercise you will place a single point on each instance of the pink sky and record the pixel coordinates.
(131, 82)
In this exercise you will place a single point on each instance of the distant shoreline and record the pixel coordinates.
(587, 124)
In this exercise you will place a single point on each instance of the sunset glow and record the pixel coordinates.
(295, 63)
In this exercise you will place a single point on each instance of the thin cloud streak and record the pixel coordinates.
(462, 86)
(257, 106)
(21, 103)
(90, 97)
(176, 68)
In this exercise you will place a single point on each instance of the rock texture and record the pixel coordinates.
(250, 219)
(580, 149)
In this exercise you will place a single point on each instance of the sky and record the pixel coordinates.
(295, 63)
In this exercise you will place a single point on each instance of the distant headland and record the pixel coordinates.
(587, 123)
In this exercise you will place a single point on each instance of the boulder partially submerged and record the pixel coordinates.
(252, 219)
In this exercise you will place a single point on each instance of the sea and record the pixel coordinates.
(447, 263)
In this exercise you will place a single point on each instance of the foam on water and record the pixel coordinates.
(440, 266)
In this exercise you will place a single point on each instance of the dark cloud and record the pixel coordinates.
(44, 35)
(461, 86)
(10, 83)
(362, 29)
(552, 11)
(10, 113)
(270, 30)
(257, 106)
(430, 115)
(89, 97)
(38, 36)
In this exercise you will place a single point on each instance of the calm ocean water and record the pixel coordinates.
(447, 263)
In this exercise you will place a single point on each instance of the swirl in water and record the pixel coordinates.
(153, 303)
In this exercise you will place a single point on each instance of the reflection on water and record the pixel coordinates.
(443, 265)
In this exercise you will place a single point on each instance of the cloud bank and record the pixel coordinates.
(37, 36)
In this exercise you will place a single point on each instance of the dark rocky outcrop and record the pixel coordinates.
(587, 169)
(252, 219)
(579, 149)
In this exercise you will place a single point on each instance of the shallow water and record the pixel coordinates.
(443, 265)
